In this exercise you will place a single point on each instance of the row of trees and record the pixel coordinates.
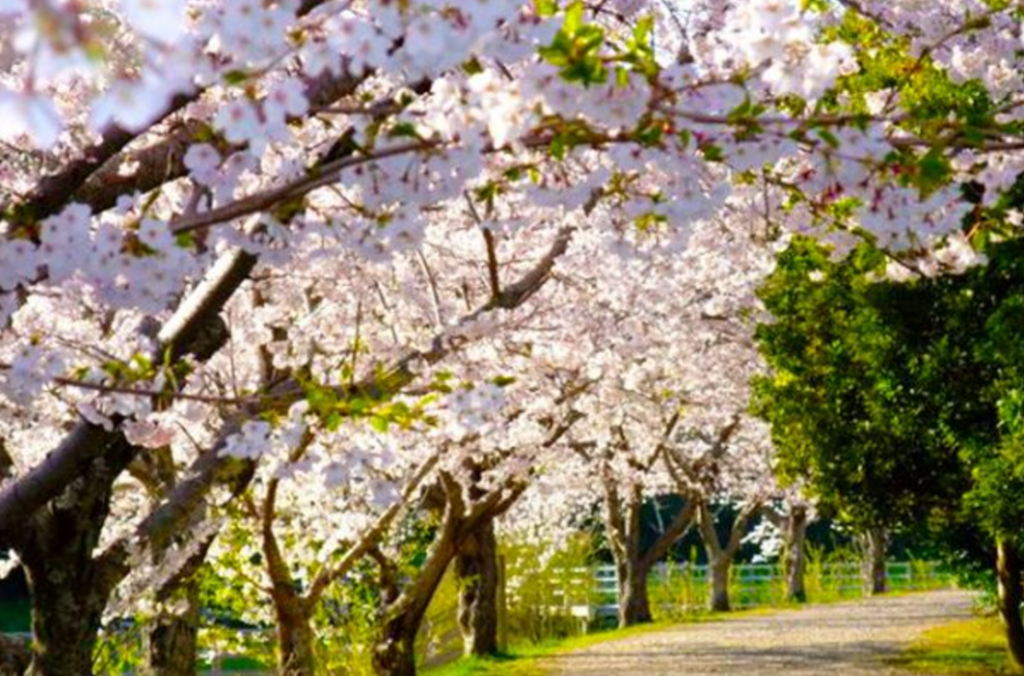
(897, 402)
(294, 293)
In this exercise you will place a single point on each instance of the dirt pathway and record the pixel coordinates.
(843, 639)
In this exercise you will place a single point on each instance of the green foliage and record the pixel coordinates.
(542, 593)
(118, 650)
(584, 55)
(347, 623)
(336, 404)
(844, 417)
(898, 403)
(576, 49)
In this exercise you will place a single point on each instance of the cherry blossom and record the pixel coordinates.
(343, 255)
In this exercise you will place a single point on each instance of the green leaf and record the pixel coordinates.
(404, 130)
(545, 8)
(235, 77)
(933, 171)
(573, 17)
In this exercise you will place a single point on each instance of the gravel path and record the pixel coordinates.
(847, 639)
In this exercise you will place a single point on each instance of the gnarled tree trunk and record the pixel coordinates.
(395, 650)
(296, 656)
(171, 642)
(394, 653)
(719, 568)
(794, 557)
(874, 543)
(720, 557)
(66, 611)
(633, 564)
(476, 568)
(623, 522)
(404, 602)
(634, 601)
(68, 588)
(1009, 568)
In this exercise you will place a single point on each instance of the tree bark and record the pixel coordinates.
(874, 543)
(1011, 594)
(403, 609)
(476, 568)
(794, 561)
(634, 602)
(15, 655)
(296, 655)
(68, 588)
(67, 601)
(66, 617)
(171, 643)
(720, 557)
(623, 523)
(718, 572)
(395, 652)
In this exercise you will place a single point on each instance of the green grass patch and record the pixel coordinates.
(232, 663)
(975, 647)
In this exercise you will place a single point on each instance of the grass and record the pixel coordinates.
(231, 664)
(974, 647)
(527, 660)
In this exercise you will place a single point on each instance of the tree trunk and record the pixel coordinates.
(1011, 595)
(623, 523)
(794, 560)
(66, 614)
(634, 603)
(718, 571)
(68, 588)
(874, 543)
(15, 655)
(395, 652)
(172, 641)
(476, 568)
(296, 655)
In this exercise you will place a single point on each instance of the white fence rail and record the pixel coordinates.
(590, 593)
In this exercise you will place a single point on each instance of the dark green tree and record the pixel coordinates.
(903, 403)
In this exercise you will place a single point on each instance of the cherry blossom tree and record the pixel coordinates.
(356, 485)
(648, 331)
(175, 172)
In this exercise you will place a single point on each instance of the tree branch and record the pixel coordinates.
(739, 528)
(672, 534)
(186, 332)
(370, 540)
